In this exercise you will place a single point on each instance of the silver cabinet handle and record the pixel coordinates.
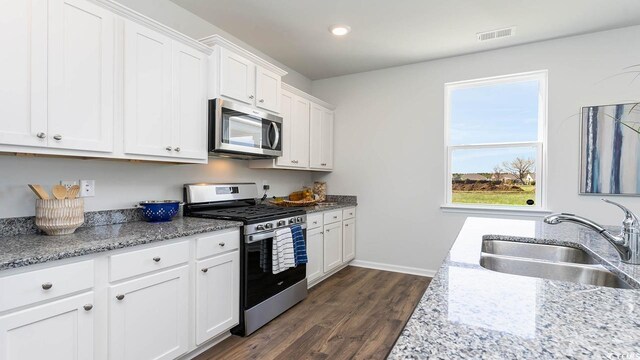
(324, 164)
(321, 232)
(177, 149)
(251, 96)
(315, 223)
(261, 100)
(335, 217)
(41, 135)
(120, 297)
(47, 286)
(328, 230)
(57, 137)
(156, 259)
(169, 148)
(346, 224)
(88, 307)
(204, 270)
(221, 244)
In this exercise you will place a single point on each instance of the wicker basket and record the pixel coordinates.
(59, 217)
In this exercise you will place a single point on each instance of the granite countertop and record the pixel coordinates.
(333, 202)
(471, 312)
(29, 249)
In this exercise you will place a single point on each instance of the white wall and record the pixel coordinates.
(389, 142)
(176, 17)
(121, 184)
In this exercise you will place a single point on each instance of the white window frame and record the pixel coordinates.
(541, 164)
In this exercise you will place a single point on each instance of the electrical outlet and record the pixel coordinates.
(87, 188)
(68, 183)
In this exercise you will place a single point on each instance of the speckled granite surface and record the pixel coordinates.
(27, 224)
(333, 202)
(471, 312)
(23, 250)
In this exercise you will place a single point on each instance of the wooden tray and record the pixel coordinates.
(298, 203)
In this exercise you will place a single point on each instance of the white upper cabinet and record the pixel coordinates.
(295, 139)
(268, 85)
(189, 102)
(81, 76)
(95, 79)
(237, 77)
(147, 91)
(321, 138)
(23, 97)
(307, 141)
(240, 75)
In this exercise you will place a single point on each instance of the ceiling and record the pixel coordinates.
(390, 33)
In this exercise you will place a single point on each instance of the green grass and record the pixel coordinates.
(496, 197)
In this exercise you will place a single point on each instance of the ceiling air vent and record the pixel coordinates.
(496, 34)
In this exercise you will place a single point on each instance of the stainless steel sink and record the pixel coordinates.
(537, 251)
(590, 275)
(547, 261)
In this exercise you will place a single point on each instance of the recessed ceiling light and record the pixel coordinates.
(340, 30)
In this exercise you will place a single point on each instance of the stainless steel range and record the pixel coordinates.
(263, 295)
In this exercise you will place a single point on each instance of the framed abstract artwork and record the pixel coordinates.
(610, 150)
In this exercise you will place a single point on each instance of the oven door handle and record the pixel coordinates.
(248, 239)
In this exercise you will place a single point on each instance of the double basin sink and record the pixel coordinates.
(551, 262)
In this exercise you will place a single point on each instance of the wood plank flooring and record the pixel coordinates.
(357, 313)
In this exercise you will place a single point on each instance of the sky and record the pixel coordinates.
(492, 114)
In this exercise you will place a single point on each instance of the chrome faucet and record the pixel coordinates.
(627, 243)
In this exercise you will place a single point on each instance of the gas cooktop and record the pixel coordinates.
(247, 214)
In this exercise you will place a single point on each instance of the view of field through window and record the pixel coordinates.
(494, 143)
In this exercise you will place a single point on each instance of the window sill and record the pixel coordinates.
(494, 210)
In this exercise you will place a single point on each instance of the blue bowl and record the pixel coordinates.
(159, 211)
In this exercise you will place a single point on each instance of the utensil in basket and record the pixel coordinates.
(159, 211)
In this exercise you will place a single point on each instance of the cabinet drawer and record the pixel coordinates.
(314, 221)
(45, 284)
(349, 213)
(332, 216)
(139, 262)
(217, 243)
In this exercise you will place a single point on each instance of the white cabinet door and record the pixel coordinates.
(59, 330)
(237, 77)
(321, 138)
(189, 103)
(300, 134)
(217, 295)
(315, 137)
(327, 140)
(348, 240)
(23, 88)
(315, 254)
(268, 88)
(147, 91)
(148, 317)
(286, 108)
(81, 75)
(332, 246)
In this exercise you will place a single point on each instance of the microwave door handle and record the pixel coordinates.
(277, 132)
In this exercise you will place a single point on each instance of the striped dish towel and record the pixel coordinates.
(299, 246)
(282, 251)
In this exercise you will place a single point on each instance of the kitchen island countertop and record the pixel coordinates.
(471, 312)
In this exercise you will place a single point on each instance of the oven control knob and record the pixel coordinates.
(292, 221)
(299, 219)
(282, 223)
(260, 227)
(268, 226)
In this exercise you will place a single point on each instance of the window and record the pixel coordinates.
(495, 132)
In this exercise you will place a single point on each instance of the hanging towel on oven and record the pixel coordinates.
(299, 247)
(282, 251)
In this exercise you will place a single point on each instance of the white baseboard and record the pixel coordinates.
(394, 268)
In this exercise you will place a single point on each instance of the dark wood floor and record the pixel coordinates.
(356, 314)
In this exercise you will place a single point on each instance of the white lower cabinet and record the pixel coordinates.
(217, 295)
(332, 246)
(148, 317)
(348, 240)
(315, 254)
(58, 330)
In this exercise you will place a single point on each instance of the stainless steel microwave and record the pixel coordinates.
(238, 131)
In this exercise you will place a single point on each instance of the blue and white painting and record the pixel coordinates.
(610, 161)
